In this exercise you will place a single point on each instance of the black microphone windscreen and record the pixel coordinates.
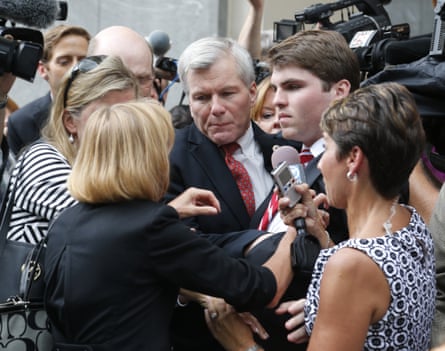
(406, 51)
(32, 13)
(159, 42)
(285, 153)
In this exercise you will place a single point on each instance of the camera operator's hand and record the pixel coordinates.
(6, 82)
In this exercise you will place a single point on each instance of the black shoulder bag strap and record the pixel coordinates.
(6, 208)
(5, 156)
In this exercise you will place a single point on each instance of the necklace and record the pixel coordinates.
(388, 225)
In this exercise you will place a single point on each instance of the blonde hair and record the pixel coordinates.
(263, 88)
(123, 154)
(110, 75)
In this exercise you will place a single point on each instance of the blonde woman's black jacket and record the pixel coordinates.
(113, 272)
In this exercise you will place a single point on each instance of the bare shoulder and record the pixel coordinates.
(353, 277)
(350, 260)
(352, 271)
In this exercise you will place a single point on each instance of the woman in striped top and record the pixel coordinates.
(42, 169)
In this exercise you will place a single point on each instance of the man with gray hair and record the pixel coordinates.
(221, 149)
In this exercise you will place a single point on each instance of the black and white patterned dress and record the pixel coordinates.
(41, 192)
(406, 258)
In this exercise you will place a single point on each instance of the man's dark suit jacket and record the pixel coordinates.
(25, 124)
(195, 161)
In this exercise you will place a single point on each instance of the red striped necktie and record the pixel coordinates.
(271, 210)
(241, 177)
(305, 157)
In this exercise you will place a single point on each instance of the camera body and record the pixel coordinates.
(20, 55)
(166, 68)
(371, 21)
(21, 48)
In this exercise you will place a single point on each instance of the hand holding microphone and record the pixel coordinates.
(288, 171)
(289, 174)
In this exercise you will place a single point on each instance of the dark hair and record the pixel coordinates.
(324, 53)
(382, 120)
(181, 116)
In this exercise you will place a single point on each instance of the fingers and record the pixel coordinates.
(324, 217)
(295, 321)
(295, 324)
(288, 215)
(217, 308)
(195, 202)
(292, 307)
(298, 336)
(321, 200)
(209, 320)
(254, 324)
(206, 198)
(204, 211)
(230, 330)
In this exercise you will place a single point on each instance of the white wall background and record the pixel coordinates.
(188, 20)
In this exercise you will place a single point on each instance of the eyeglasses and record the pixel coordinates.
(85, 65)
(145, 80)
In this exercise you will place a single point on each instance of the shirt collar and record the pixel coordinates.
(246, 142)
(316, 148)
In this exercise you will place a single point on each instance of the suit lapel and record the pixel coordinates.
(311, 171)
(266, 143)
(217, 172)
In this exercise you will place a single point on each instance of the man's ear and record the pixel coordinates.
(41, 68)
(342, 88)
(252, 92)
(68, 122)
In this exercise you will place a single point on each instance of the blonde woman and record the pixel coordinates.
(264, 112)
(116, 259)
(41, 185)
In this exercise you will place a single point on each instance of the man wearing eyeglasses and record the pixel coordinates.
(134, 51)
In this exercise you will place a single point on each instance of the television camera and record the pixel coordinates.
(367, 28)
(424, 79)
(21, 48)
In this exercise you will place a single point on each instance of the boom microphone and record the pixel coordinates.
(32, 13)
(287, 172)
(159, 42)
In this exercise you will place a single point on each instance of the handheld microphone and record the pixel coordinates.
(159, 42)
(32, 13)
(287, 172)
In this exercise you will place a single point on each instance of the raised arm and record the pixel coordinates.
(250, 34)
